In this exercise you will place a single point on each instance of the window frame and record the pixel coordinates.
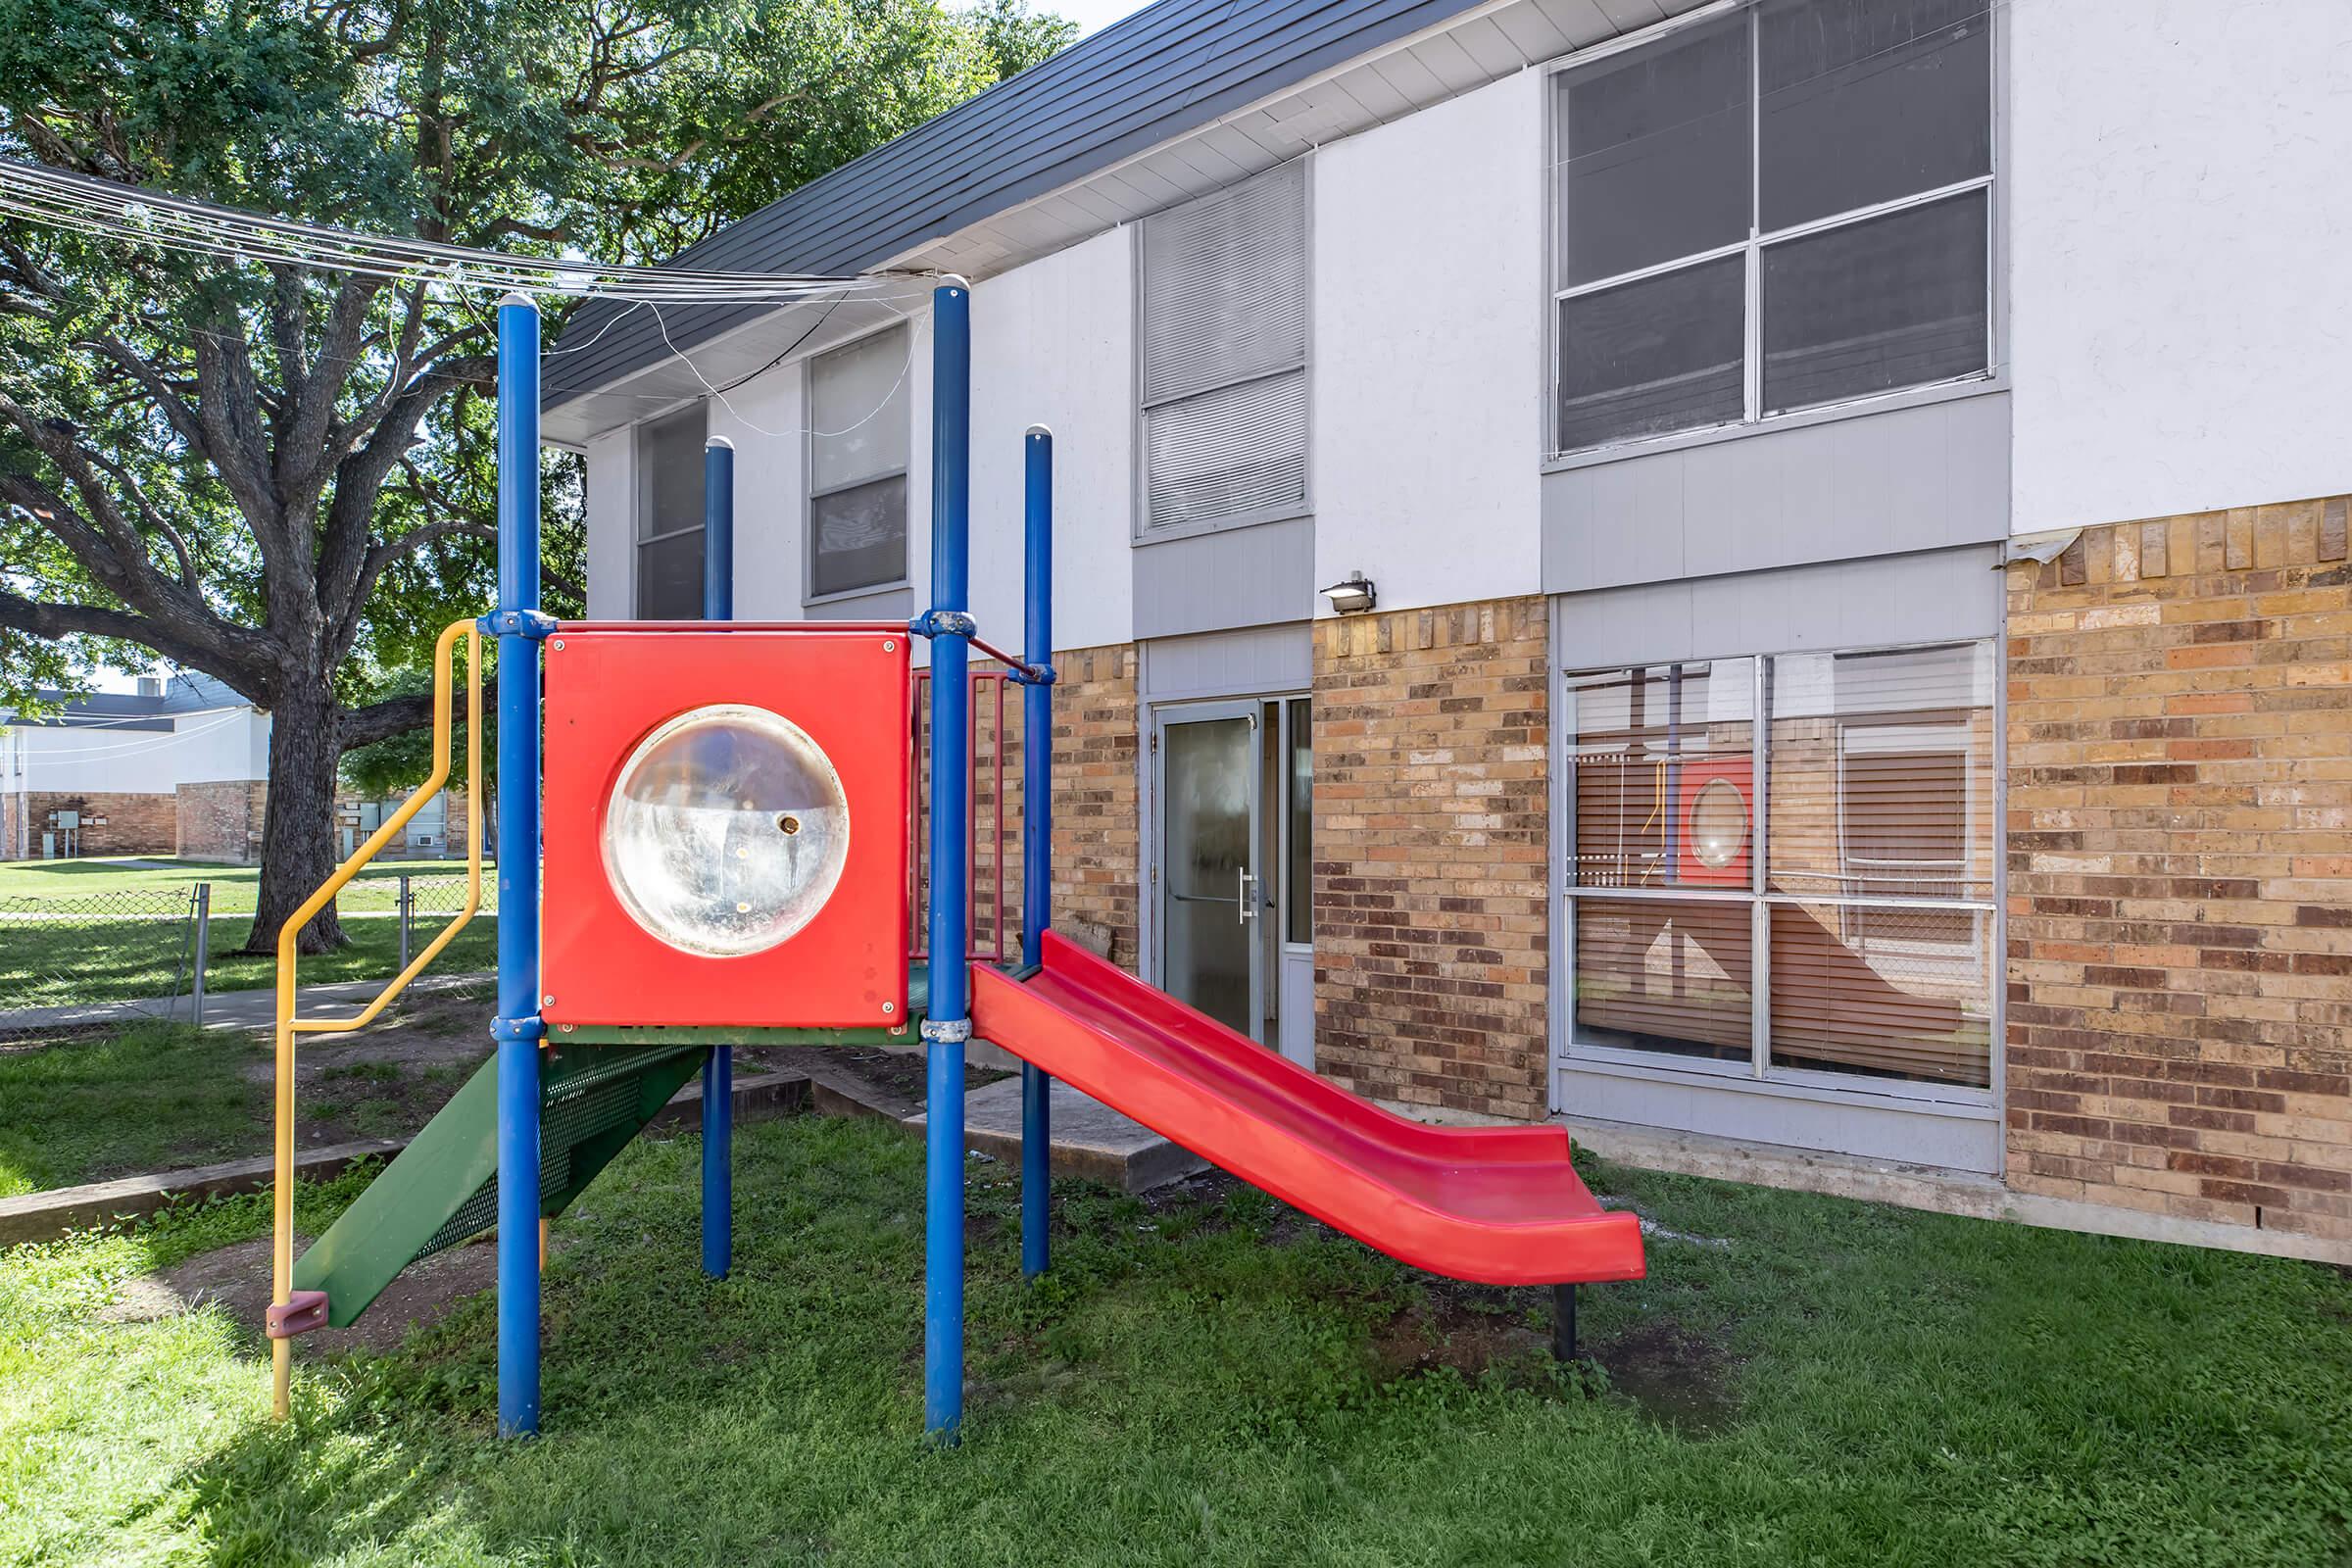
(640, 484)
(811, 494)
(1570, 1048)
(1140, 529)
(1994, 377)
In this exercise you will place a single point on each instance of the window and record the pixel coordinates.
(1850, 931)
(1224, 355)
(1780, 209)
(669, 516)
(857, 444)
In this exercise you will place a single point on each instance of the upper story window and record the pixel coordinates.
(669, 516)
(1775, 209)
(1224, 355)
(857, 454)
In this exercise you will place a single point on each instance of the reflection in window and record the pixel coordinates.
(1875, 878)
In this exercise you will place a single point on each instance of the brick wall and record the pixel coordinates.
(1430, 859)
(2179, 842)
(1096, 823)
(221, 820)
(135, 823)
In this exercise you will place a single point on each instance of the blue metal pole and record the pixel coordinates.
(950, 1024)
(718, 1066)
(1037, 832)
(518, 1028)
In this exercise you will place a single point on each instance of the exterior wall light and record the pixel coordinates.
(1352, 595)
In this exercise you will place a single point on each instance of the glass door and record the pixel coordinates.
(1205, 868)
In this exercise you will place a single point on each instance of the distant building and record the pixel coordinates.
(175, 767)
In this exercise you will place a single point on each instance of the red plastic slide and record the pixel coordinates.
(1498, 1205)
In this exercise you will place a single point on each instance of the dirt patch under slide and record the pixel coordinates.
(1680, 1380)
(236, 1279)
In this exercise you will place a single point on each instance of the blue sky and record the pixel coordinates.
(1091, 15)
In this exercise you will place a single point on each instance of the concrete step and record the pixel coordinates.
(1090, 1139)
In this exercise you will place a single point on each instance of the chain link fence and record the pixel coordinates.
(77, 964)
(425, 905)
(67, 962)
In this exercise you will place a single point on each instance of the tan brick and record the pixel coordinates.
(2174, 921)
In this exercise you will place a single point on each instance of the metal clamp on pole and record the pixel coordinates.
(1032, 675)
(940, 622)
(530, 1027)
(947, 1031)
(527, 623)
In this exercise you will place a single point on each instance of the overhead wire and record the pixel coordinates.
(106, 208)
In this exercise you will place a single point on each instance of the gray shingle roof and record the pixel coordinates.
(1168, 69)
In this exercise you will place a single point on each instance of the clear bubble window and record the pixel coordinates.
(726, 831)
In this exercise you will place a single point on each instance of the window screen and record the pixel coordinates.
(1822, 164)
(669, 516)
(857, 454)
(1224, 354)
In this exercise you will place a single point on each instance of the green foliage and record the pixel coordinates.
(284, 476)
(1200, 1380)
(400, 762)
(1015, 37)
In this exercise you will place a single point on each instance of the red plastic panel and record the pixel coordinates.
(606, 691)
(1692, 780)
(1496, 1206)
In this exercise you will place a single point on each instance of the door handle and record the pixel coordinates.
(1243, 881)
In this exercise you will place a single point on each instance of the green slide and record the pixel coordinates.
(443, 1188)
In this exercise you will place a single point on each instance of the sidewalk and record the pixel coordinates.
(228, 1010)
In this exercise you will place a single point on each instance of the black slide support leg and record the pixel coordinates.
(1563, 1322)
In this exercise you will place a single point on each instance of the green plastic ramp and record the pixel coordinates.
(443, 1188)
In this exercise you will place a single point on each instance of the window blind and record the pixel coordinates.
(1224, 352)
(860, 435)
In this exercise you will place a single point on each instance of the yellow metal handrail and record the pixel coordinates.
(281, 1271)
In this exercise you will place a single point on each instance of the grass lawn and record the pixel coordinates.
(71, 963)
(1205, 1380)
(164, 1097)
(156, 1096)
(54, 956)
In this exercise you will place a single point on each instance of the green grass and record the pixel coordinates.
(156, 1096)
(1198, 1385)
(76, 963)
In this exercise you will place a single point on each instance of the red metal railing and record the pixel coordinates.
(993, 913)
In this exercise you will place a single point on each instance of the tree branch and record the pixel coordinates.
(53, 619)
(395, 715)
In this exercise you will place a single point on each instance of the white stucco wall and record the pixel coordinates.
(1428, 348)
(229, 743)
(764, 417)
(612, 497)
(2179, 187)
(1054, 344)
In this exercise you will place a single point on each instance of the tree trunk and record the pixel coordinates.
(298, 835)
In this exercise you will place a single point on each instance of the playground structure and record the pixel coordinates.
(732, 851)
